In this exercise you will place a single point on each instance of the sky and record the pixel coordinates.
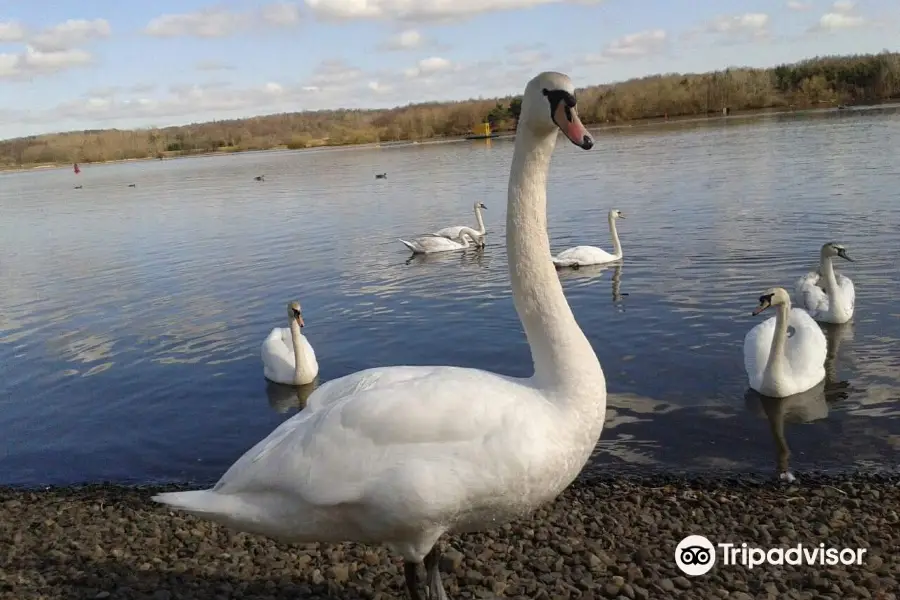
(96, 64)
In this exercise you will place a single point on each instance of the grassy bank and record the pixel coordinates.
(817, 82)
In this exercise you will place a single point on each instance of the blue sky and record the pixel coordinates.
(75, 65)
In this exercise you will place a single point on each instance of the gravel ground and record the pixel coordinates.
(604, 538)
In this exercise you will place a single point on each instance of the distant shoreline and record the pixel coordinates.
(642, 122)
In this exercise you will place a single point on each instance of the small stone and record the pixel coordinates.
(450, 561)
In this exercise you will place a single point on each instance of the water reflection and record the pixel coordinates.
(806, 407)
(583, 276)
(283, 398)
(471, 256)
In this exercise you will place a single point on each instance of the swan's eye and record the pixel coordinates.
(557, 96)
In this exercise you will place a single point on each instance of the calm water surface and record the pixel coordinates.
(131, 318)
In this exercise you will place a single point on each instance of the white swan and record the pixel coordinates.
(825, 296)
(580, 256)
(287, 355)
(431, 243)
(779, 364)
(401, 455)
(455, 231)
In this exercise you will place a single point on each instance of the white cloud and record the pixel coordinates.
(335, 74)
(281, 13)
(835, 21)
(421, 10)
(799, 6)
(405, 40)
(208, 23)
(34, 62)
(638, 44)
(526, 55)
(334, 84)
(429, 66)
(734, 29)
(840, 18)
(12, 31)
(70, 34)
(634, 45)
(751, 23)
(221, 22)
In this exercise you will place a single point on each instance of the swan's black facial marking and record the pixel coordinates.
(842, 252)
(765, 301)
(564, 115)
(557, 96)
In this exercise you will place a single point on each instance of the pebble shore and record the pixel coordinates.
(605, 537)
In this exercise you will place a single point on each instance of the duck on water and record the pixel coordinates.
(388, 456)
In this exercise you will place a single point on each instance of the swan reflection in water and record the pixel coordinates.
(805, 407)
(283, 398)
(587, 275)
(471, 256)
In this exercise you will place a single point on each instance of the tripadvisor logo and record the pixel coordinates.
(695, 555)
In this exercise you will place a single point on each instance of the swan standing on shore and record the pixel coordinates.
(825, 296)
(456, 231)
(431, 242)
(287, 355)
(779, 364)
(581, 256)
(402, 455)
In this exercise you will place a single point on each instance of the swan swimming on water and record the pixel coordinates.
(431, 242)
(402, 455)
(287, 355)
(778, 364)
(455, 231)
(825, 296)
(581, 256)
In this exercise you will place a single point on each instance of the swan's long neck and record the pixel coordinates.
(480, 220)
(563, 357)
(826, 268)
(298, 353)
(617, 245)
(776, 353)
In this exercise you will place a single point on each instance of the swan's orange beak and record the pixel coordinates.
(566, 118)
(300, 321)
(760, 308)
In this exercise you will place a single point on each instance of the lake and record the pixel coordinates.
(131, 318)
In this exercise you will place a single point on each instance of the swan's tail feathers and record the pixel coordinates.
(565, 262)
(408, 245)
(206, 503)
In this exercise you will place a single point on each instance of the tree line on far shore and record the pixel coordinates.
(816, 82)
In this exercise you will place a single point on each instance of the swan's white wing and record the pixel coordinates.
(583, 255)
(278, 356)
(367, 379)
(309, 355)
(809, 296)
(805, 349)
(372, 447)
(845, 285)
(757, 345)
(449, 232)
